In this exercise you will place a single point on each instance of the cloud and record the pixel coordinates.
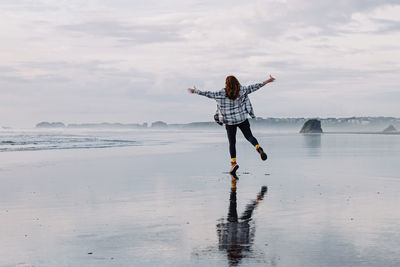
(145, 54)
(5, 69)
(128, 33)
(28, 6)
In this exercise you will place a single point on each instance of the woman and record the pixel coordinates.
(235, 105)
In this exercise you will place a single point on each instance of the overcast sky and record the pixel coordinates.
(132, 61)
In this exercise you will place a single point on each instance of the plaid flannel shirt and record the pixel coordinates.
(233, 111)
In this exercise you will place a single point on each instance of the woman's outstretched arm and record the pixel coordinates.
(208, 94)
(270, 80)
(251, 88)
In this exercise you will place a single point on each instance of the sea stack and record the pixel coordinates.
(312, 126)
(390, 129)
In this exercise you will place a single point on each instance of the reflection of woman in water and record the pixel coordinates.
(234, 104)
(236, 234)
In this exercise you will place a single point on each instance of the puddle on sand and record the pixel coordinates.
(236, 232)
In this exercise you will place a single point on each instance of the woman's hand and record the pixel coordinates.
(191, 90)
(270, 80)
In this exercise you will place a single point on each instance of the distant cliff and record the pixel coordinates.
(107, 125)
(103, 125)
(45, 124)
(159, 124)
(328, 124)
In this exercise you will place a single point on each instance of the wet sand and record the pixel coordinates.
(319, 200)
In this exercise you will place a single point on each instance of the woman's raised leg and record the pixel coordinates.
(245, 128)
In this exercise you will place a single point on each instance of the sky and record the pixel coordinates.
(132, 61)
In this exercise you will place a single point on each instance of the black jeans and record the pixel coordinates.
(231, 131)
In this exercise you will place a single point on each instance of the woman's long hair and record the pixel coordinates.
(232, 87)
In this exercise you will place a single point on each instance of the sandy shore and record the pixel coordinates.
(331, 200)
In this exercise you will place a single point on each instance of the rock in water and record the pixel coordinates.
(312, 126)
(390, 129)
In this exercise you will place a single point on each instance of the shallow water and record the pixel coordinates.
(57, 139)
(331, 200)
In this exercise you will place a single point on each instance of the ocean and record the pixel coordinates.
(164, 198)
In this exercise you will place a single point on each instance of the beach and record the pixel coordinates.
(330, 200)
